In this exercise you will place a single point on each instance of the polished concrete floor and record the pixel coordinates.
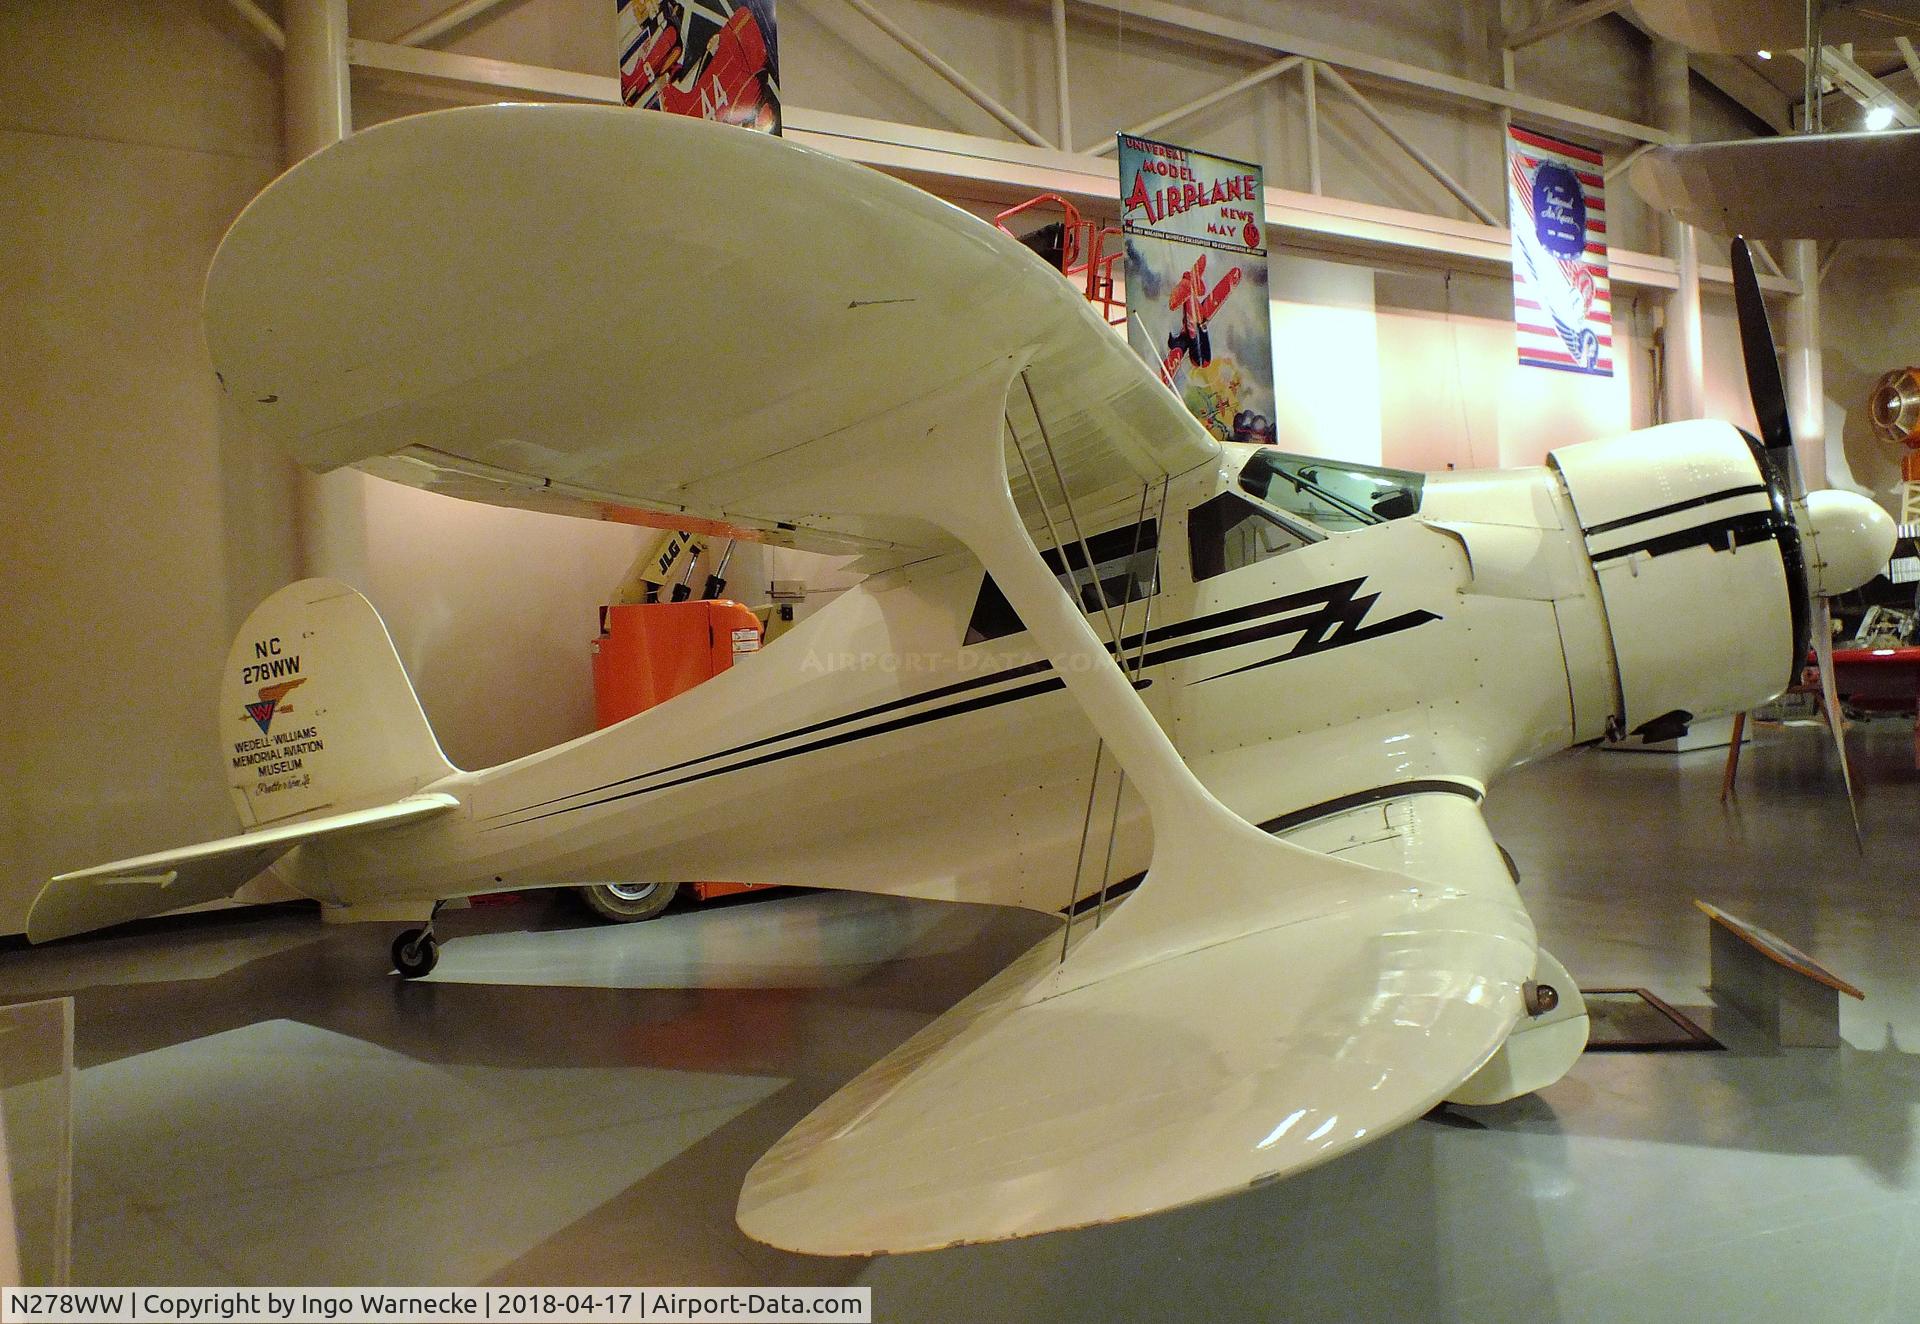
(259, 1102)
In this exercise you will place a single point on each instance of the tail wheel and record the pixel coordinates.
(628, 903)
(415, 953)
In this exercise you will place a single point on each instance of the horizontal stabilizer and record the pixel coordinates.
(168, 880)
(1233, 1063)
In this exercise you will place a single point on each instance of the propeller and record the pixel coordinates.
(1769, 393)
(1764, 382)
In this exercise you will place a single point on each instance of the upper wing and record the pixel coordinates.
(649, 317)
(1363, 998)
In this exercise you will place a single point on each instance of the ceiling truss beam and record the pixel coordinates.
(1409, 76)
(444, 22)
(258, 19)
(967, 87)
(1748, 90)
(1575, 16)
(1200, 103)
(1863, 87)
(993, 169)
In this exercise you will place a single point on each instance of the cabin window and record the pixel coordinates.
(1229, 532)
(1332, 494)
(1125, 566)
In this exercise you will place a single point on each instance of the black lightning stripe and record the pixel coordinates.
(1333, 622)
(1252, 611)
(1337, 624)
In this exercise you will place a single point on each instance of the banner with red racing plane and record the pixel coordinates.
(1196, 275)
(1562, 300)
(718, 60)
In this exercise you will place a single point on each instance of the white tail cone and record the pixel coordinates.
(1849, 540)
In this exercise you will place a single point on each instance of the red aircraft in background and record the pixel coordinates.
(727, 81)
(1196, 305)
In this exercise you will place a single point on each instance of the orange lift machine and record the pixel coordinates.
(650, 650)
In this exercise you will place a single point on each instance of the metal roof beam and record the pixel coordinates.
(1410, 76)
(971, 90)
(1749, 90)
(1578, 16)
(1200, 103)
(967, 166)
(444, 22)
(258, 19)
(1864, 88)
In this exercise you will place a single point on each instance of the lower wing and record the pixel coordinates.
(1354, 1005)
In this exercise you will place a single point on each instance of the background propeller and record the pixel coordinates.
(1769, 393)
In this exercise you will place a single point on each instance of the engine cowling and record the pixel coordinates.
(1701, 569)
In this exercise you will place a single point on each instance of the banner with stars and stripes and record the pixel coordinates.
(1562, 299)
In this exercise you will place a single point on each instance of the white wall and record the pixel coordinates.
(1453, 394)
(136, 534)
(1326, 358)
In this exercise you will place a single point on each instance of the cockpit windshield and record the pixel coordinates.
(1333, 494)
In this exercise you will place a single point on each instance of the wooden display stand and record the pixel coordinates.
(1789, 996)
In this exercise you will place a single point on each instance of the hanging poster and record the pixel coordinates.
(1197, 282)
(1556, 204)
(718, 60)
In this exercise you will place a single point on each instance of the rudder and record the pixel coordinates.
(316, 711)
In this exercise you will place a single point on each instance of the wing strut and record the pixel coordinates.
(1133, 674)
(1114, 632)
(1200, 846)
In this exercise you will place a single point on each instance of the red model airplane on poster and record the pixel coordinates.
(1196, 306)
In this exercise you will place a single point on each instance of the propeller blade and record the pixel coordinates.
(1770, 408)
(1830, 701)
(1764, 382)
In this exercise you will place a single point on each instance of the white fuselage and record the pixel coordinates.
(873, 748)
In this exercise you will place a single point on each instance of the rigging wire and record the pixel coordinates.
(1106, 615)
(1053, 532)
(1073, 517)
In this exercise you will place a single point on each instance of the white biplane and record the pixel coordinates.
(1233, 718)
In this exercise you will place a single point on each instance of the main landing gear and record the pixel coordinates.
(417, 951)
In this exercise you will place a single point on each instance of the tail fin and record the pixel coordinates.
(322, 736)
(316, 713)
